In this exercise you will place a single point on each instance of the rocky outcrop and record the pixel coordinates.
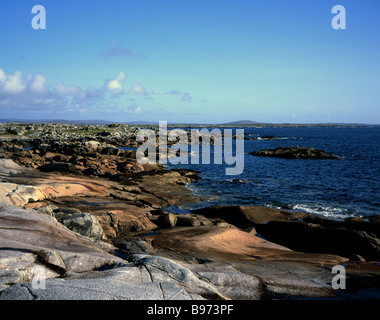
(92, 222)
(23, 185)
(356, 239)
(247, 216)
(295, 153)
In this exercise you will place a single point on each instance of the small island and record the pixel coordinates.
(295, 153)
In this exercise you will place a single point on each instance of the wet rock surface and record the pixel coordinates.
(76, 206)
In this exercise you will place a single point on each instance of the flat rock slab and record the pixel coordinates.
(97, 289)
(22, 185)
(28, 230)
(217, 242)
(231, 244)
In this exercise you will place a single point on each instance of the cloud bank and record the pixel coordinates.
(32, 96)
(32, 91)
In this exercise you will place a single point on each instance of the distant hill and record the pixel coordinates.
(140, 122)
(240, 122)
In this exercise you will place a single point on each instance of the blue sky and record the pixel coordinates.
(208, 61)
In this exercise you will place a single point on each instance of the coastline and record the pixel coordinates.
(92, 217)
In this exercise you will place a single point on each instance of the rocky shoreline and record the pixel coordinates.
(75, 204)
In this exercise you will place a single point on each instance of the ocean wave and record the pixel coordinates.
(276, 138)
(326, 211)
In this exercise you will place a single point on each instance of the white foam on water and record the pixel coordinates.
(325, 211)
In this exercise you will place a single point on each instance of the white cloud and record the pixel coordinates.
(30, 93)
(114, 86)
(63, 90)
(38, 84)
(33, 95)
(121, 77)
(139, 89)
(12, 84)
(2, 76)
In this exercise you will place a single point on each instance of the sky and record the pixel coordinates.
(199, 61)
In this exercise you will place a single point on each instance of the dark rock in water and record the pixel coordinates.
(268, 137)
(295, 153)
(348, 239)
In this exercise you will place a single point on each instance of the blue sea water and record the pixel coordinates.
(332, 188)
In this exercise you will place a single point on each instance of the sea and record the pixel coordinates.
(336, 189)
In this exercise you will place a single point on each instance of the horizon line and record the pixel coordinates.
(145, 122)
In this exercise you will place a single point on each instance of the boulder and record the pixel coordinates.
(83, 223)
(167, 220)
(192, 220)
(93, 146)
(130, 246)
(119, 222)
